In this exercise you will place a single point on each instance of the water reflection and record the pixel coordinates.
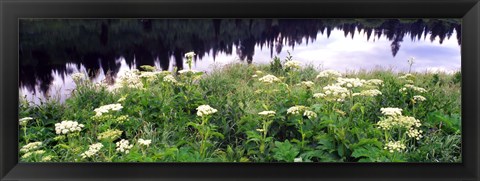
(50, 50)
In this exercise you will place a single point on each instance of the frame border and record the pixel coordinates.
(13, 10)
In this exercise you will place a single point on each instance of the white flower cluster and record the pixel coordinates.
(92, 150)
(296, 109)
(267, 113)
(292, 64)
(110, 134)
(24, 121)
(190, 54)
(68, 126)
(415, 133)
(391, 111)
(376, 82)
(407, 122)
(149, 76)
(299, 159)
(184, 71)
(124, 146)
(107, 108)
(319, 95)
(169, 78)
(310, 114)
(387, 123)
(307, 84)
(329, 73)
(129, 79)
(47, 158)
(78, 77)
(31, 146)
(370, 93)
(407, 87)
(419, 98)
(144, 142)
(269, 79)
(205, 110)
(38, 152)
(407, 77)
(336, 92)
(350, 82)
(395, 146)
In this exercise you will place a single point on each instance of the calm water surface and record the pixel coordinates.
(51, 50)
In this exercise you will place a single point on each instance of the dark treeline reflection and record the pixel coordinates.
(47, 46)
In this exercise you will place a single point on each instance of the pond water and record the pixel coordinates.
(51, 50)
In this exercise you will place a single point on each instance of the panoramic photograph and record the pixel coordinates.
(240, 90)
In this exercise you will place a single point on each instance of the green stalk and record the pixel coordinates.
(25, 134)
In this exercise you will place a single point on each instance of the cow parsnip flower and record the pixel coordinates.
(307, 84)
(296, 110)
(407, 77)
(267, 113)
(318, 95)
(185, 71)
(110, 134)
(299, 159)
(376, 82)
(47, 158)
(329, 73)
(350, 82)
(190, 54)
(371, 92)
(269, 79)
(30, 147)
(129, 79)
(205, 110)
(123, 146)
(310, 114)
(68, 126)
(29, 154)
(335, 93)
(407, 87)
(78, 77)
(24, 121)
(92, 150)
(387, 123)
(170, 79)
(144, 142)
(107, 108)
(415, 133)
(419, 98)
(292, 64)
(391, 111)
(395, 146)
(406, 122)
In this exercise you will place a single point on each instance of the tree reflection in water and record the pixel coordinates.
(47, 46)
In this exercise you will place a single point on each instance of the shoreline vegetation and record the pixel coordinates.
(282, 112)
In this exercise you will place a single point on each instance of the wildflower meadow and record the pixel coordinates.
(284, 111)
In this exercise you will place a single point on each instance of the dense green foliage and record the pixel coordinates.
(298, 120)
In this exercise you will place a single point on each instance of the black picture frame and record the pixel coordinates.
(467, 10)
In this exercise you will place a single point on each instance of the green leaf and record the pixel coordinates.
(284, 151)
